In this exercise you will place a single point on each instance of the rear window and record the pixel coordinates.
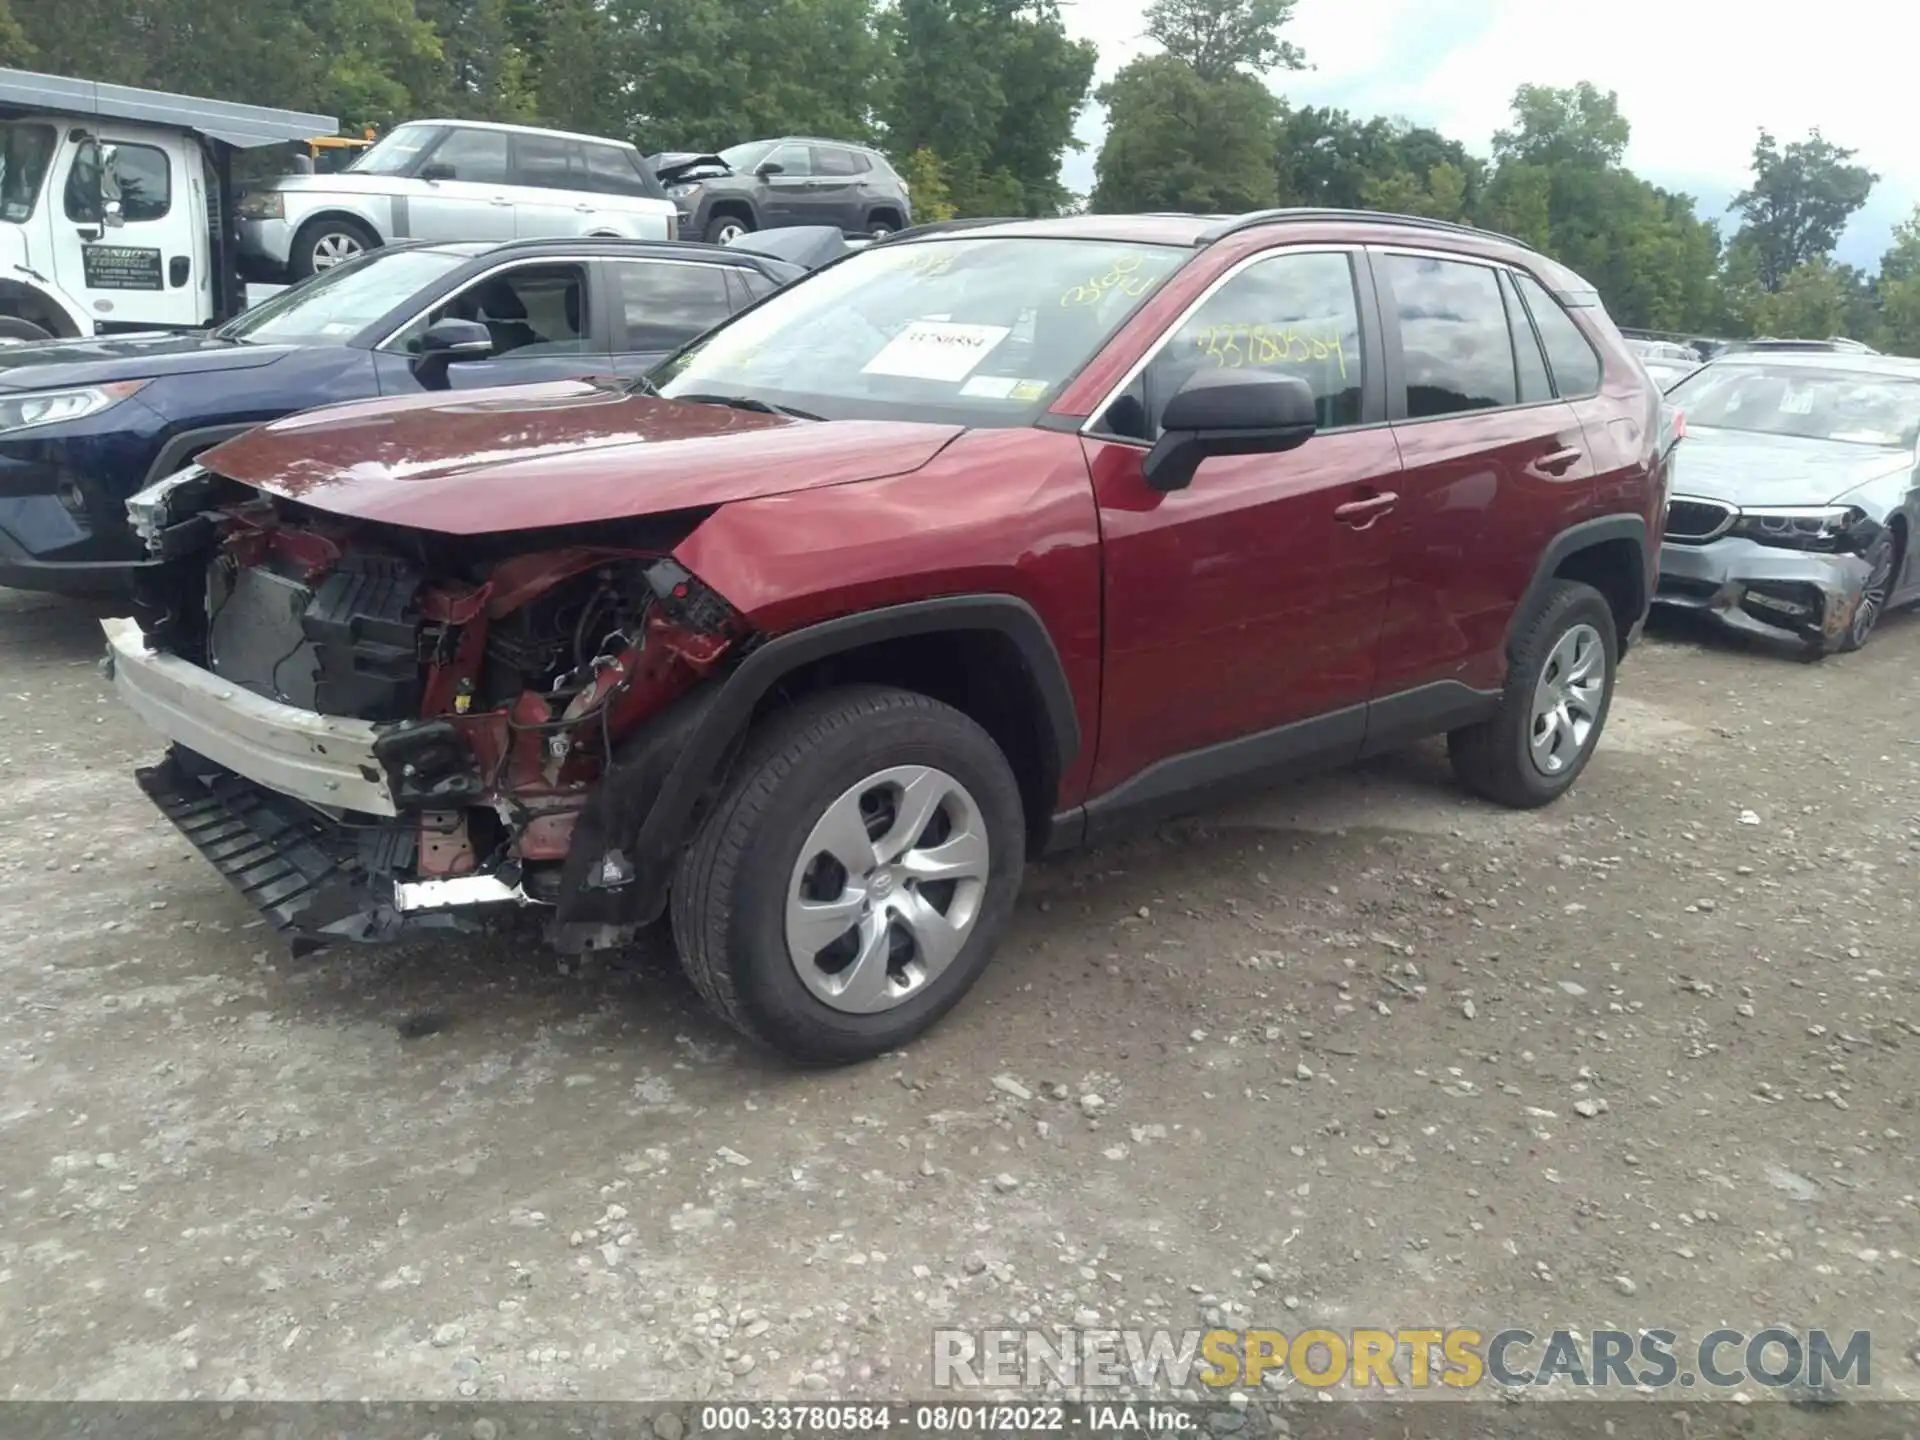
(1571, 357)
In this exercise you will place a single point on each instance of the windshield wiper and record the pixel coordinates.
(748, 402)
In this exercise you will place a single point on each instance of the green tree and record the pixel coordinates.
(1178, 142)
(991, 87)
(1801, 198)
(1897, 327)
(1219, 38)
(1580, 127)
(927, 188)
(1327, 157)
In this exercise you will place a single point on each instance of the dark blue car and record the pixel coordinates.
(86, 423)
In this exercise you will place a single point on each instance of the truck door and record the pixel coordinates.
(128, 218)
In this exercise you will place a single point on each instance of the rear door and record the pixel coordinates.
(836, 197)
(1496, 465)
(550, 188)
(659, 305)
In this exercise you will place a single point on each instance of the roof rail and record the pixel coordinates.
(1303, 214)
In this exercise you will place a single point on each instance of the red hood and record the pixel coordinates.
(561, 454)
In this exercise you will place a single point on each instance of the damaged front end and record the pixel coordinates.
(1792, 575)
(378, 731)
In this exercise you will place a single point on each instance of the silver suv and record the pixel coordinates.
(455, 180)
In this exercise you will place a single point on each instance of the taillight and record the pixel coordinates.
(1679, 424)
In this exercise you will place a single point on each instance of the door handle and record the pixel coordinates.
(584, 208)
(1361, 514)
(1558, 463)
(501, 200)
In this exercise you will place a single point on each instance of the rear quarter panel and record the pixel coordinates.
(1005, 512)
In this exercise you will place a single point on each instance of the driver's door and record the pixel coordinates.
(1243, 612)
(787, 198)
(126, 243)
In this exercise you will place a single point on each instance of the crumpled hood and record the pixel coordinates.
(570, 453)
(55, 364)
(1745, 469)
(674, 165)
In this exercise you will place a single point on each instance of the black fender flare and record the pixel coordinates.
(182, 447)
(707, 726)
(1572, 540)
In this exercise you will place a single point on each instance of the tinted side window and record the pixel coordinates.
(1576, 368)
(829, 161)
(479, 156)
(529, 310)
(549, 163)
(665, 304)
(792, 159)
(1453, 335)
(1531, 366)
(1285, 315)
(612, 171)
(139, 179)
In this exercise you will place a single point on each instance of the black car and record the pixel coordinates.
(795, 180)
(86, 423)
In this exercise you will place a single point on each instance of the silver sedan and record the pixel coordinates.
(1797, 495)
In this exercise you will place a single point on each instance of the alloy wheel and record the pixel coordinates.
(887, 888)
(1873, 595)
(729, 231)
(334, 247)
(1567, 700)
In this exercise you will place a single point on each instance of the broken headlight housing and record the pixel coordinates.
(148, 510)
(52, 407)
(1825, 528)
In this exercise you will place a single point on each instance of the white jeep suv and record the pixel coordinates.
(455, 180)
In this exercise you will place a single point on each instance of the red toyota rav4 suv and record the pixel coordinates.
(970, 547)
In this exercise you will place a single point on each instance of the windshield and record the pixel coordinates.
(744, 157)
(974, 331)
(338, 303)
(1859, 408)
(394, 152)
(25, 151)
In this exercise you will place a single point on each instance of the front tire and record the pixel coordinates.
(854, 878)
(725, 229)
(1553, 708)
(1883, 560)
(15, 331)
(321, 244)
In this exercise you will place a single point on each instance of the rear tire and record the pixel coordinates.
(1553, 707)
(940, 790)
(321, 244)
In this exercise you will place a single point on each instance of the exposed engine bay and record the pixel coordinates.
(479, 687)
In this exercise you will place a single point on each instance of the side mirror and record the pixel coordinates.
(1229, 412)
(437, 170)
(445, 342)
(770, 169)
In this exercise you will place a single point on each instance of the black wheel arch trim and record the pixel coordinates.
(1582, 536)
(182, 447)
(724, 714)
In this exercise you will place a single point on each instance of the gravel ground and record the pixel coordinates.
(1358, 1052)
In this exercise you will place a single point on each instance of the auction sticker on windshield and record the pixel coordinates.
(936, 350)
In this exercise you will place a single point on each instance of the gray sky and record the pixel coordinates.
(1696, 78)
